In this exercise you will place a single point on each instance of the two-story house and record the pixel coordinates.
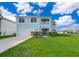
(27, 24)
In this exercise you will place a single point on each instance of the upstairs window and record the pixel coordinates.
(21, 20)
(0, 33)
(0, 18)
(33, 19)
(45, 20)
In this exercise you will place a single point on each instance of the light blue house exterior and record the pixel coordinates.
(27, 24)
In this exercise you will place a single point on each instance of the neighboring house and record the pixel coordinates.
(7, 27)
(27, 24)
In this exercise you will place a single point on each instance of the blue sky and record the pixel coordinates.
(64, 14)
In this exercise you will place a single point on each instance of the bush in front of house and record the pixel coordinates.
(39, 34)
(52, 33)
(35, 33)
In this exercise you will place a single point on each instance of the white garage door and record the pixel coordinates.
(24, 32)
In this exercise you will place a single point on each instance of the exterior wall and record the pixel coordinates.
(53, 24)
(0, 24)
(7, 27)
(46, 25)
(26, 27)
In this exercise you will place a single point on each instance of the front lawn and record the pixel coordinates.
(66, 45)
(3, 37)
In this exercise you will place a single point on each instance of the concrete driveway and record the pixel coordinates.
(11, 42)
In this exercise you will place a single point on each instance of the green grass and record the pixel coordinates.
(61, 45)
(3, 37)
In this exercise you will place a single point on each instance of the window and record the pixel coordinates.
(0, 18)
(0, 33)
(0, 14)
(45, 20)
(33, 19)
(21, 20)
(45, 31)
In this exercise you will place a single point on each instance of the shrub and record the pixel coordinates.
(52, 33)
(35, 33)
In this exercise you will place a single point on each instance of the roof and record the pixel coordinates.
(3, 14)
(33, 16)
(8, 19)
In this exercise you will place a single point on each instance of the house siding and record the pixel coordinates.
(0, 26)
(28, 26)
(7, 27)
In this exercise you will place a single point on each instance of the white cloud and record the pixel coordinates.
(76, 26)
(65, 29)
(37, 12)
(23, 7)
(7, 14)
(78, 12)
(65, 7)
(42, 4)
(65, 21)
(73, 28)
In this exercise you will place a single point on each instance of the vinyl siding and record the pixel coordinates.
(7, 27)
(27, 25)
(0, 25)
(35, 26)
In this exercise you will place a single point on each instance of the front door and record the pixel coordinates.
(45, 31)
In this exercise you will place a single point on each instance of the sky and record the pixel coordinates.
(65, 14)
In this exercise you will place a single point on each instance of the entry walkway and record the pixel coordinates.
(11, 42)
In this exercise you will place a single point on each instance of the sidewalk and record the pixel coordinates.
(11, 42)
